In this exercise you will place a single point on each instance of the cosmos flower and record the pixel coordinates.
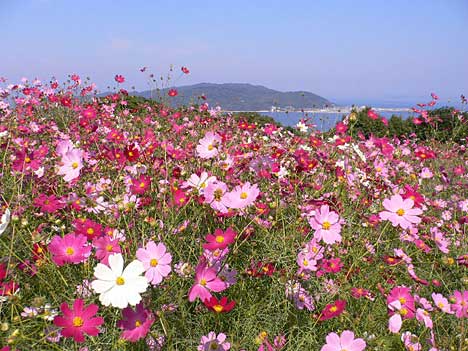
(117, 286)
(242, 196)
(345, 341)
(327, 225)
(136, 323)
(71, 164)
(206, 147)
(205, 281)
(400, 212)
(78, 321)
(220, 239)
(156, 261)
(5, 220)
(213, 342)
(70, 248)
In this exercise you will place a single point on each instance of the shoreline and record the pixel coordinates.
(345, 109)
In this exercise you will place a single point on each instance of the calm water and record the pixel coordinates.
(323, 121)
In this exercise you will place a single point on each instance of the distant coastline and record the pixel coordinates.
(334, 109)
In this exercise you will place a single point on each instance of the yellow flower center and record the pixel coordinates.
(74, 165)
(218, 193)
(218, 308)
(78, 322)
(214, 345)
(305, 262)
(402, 300)
(153, 262)
(137, 323)
(210, 147)
(243, 195)
(142, 185)
(120, 281)
(333, 309)
(203, 282)
(69, 251)
(203, 185)
(219, 239)
(441, 305)
(326, 225)
(27, 160)
(109, 248)
(400, 212)
(403, 311)
(90, 231)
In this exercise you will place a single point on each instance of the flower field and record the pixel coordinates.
(142, 227)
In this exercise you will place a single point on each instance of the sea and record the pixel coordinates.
(325, 120)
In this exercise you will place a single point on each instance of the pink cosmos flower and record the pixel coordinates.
(206, 147)
(72, 163)
(460, 303)
(220, 239)
(79, 321)
(156, 261)
(345, 341)
(423, 316)
(211, 342)
(205, 281)
(69, 249)
(215, 195)
(106, 246)
(327, 225)
(442, 303)
(403, 295)
(400, 212)
(136, 324)
(242, 196)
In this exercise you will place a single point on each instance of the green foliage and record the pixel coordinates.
(444, 124)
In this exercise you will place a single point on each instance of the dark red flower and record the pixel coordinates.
(172, 92)
(219, 306)
(333, 310)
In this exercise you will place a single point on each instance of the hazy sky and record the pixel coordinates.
(340, 49)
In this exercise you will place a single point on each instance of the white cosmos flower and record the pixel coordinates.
(5, 221)
(117, 286)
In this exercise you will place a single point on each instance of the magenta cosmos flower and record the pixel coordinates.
(345, 341)
(219, 240)
(242, 196)
(327, 225)
(211, 342)
(400, 212)
(156, 260)
(69, 249)
(205, 281)
(136, 324)
(79, 321)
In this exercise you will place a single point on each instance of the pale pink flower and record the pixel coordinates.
(242, 196)
(345, 341)
(156, 260)
(442, 303)
(206, 147)
(72, 163)
(400, 212)
(216, 195)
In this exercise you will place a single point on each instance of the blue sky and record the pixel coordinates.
(340, 49)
